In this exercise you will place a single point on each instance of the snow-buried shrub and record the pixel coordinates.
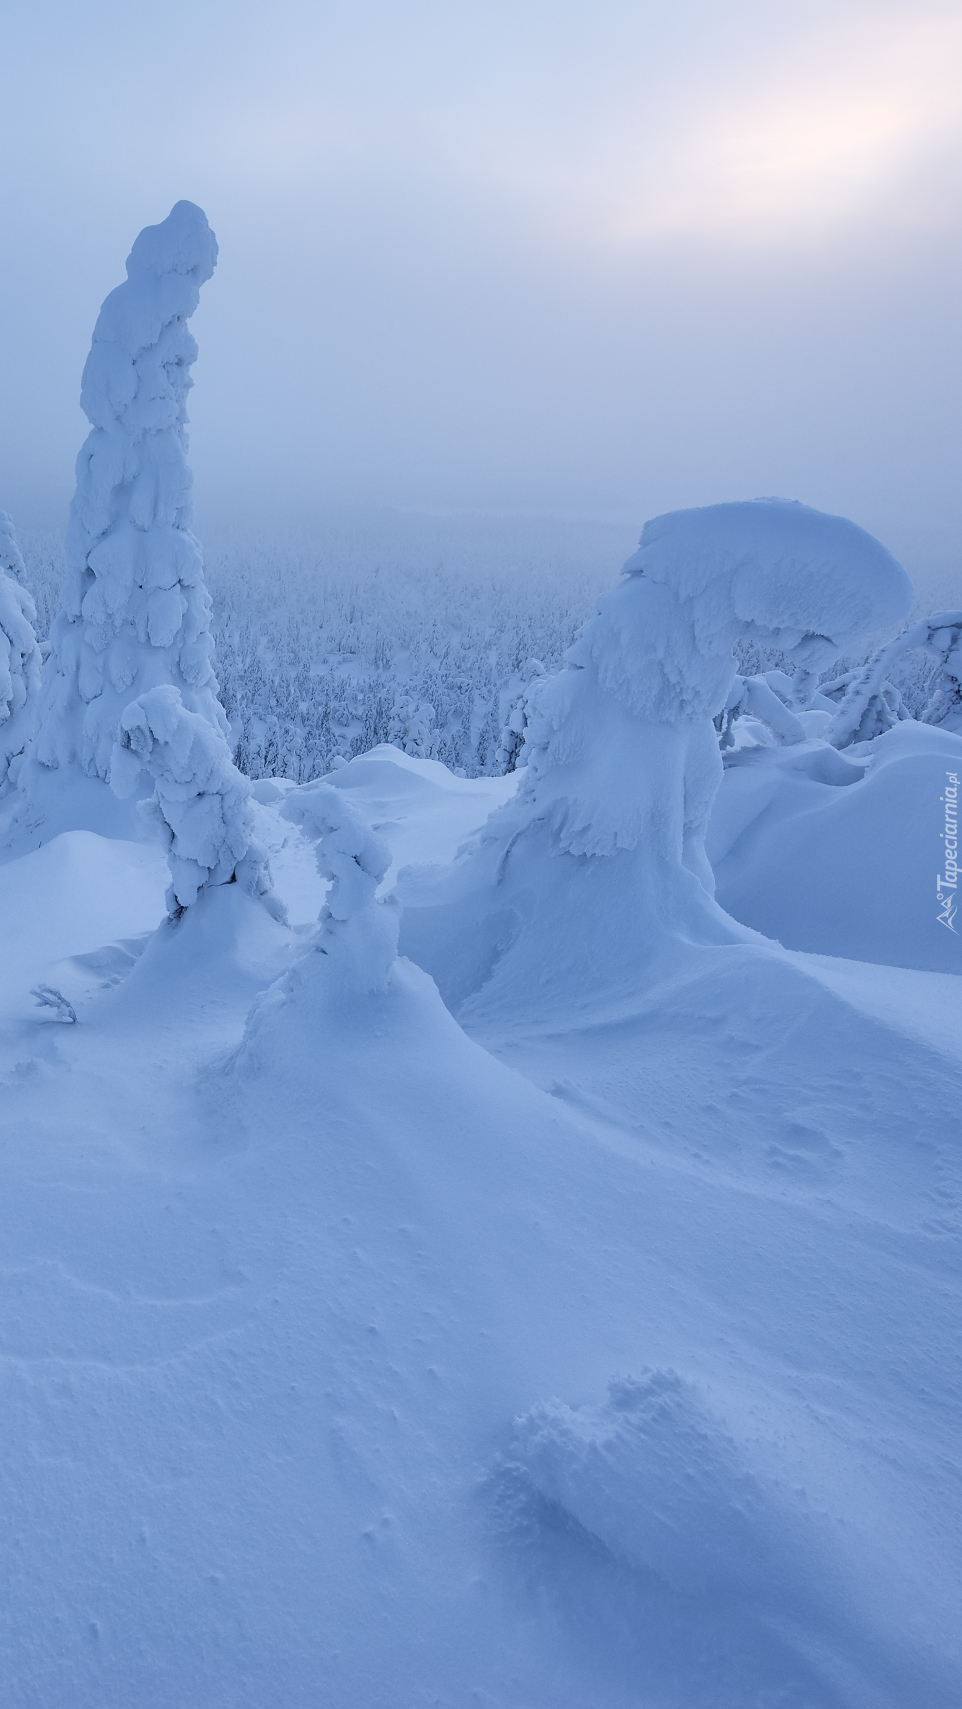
(600, 859)
(352, 958)
(357, 932)
(19, 656)
(135, 612)
(201, 802)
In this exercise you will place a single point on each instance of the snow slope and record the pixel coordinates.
(605, 1356)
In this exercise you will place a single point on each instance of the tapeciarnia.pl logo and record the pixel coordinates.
(948, 882)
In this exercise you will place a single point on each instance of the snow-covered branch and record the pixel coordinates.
(201, 802)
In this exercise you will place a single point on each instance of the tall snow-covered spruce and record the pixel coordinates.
(135, 612)
(19, 656)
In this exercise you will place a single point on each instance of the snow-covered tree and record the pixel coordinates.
(411, 727)
(510, 753)
(201, 802)
(358, 932)
(19, 656)
(135, 612)
(598, 866)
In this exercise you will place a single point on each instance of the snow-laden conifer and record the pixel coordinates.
(598, 864)
(135, 612)
(201, 802)
(510, 754)
(19, 656)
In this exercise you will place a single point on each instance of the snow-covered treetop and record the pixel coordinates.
(790, 568)
(165, 270)
(19, 654)
(793, 577)
(135, 612)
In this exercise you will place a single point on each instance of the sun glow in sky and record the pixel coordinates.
(538, 255)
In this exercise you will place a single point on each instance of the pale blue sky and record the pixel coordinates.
(596, 257)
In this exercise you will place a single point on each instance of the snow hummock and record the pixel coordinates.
(135, 612)
(19, 656)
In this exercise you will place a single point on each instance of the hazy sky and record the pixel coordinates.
(602, 257)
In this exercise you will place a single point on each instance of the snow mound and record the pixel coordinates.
(201, 802)
(19, 656)
(841, 856)
(135, 612)
(660, 1483)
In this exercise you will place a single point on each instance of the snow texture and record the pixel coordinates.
(201, 802)
(19, 656)
(135, 613)
(660, 1482)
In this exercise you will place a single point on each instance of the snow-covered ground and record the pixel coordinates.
(605, 1356)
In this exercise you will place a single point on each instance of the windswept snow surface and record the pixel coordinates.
(605, 1357)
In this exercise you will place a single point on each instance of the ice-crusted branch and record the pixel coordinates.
(20, 662)
(754, 697)
(201, 802)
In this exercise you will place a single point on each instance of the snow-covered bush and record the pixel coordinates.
(19, 656)
(201, 802)
(135, 612)
(358, 932)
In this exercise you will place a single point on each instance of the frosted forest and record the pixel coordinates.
(479, 1073)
